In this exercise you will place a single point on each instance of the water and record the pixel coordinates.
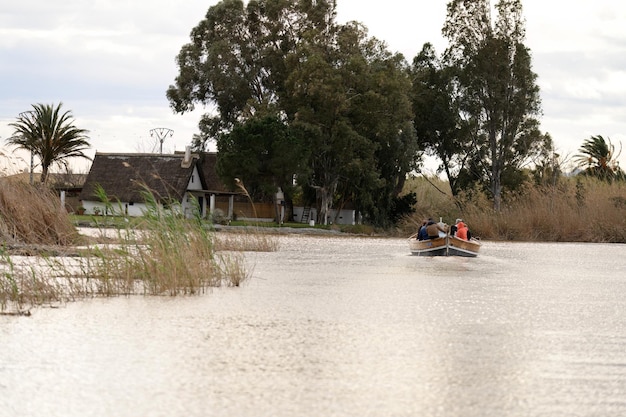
(334, 326)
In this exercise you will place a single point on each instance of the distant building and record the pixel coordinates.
(180, 177)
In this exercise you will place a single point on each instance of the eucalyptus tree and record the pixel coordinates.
(437, 120)
(290, 60)
(496, 89)
(598, 159)
(50, 135)
(352, 93)
(385, 116)
(265, 153)
(235, 63)
(235, 66)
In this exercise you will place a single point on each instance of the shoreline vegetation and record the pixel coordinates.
(575, 209)
(45, 261)
(158, 254)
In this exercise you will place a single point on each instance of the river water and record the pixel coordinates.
(336, 326)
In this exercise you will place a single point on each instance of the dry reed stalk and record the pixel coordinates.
(33, 215)
(576, 210)
(233, 269)
(169, 255)
(166, 254)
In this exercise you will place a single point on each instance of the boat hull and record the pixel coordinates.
(429, 247)
(460, 247)
(444, 246)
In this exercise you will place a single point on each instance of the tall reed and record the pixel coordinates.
(578, 209)
(33, 215)
(163, 253)
(167, 253)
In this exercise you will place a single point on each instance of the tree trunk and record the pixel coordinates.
(496, 190)
(44, 174)
(327, 193)
(496, 170)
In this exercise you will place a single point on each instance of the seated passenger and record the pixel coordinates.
(433, 229)
(462, 231)
(422, 234)
(454, 227)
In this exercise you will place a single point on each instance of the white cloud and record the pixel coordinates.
(111, 61)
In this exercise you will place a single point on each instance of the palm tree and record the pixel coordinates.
(50, 135)
(597, 158)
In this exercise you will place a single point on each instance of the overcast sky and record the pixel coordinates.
(111, 61)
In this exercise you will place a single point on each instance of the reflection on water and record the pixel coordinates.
(342, 327)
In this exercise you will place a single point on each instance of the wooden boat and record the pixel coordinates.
(462, 247)
(444, 246)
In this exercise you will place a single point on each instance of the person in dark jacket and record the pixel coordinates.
(433, 229)
(422, 234)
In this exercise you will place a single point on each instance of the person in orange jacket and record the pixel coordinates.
(462, 232)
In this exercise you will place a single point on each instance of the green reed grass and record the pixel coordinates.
(23, 285)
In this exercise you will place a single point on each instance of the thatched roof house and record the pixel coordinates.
(124, 176)
(177, 177)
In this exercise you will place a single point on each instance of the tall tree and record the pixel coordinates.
(384, 116)
(597, 158)
(289, 60)
(437, 120)
(50, 135)
(353, 93)
(235, 63)
(264, 153)
(498, 96)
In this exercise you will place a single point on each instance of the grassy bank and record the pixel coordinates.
(576, 210)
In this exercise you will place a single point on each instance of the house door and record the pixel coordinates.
(201, 206)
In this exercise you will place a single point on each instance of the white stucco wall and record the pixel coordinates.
(345, 216)
(133, 210)
(194, 181)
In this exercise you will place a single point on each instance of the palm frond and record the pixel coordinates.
(49, 133)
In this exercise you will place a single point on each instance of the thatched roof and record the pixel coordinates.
(207, 163)
(59, 181)
(213, 183)
(123, 176)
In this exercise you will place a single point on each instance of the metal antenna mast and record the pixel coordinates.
(161, 133)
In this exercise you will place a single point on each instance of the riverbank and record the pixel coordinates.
(578, 209)
(96, 222)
